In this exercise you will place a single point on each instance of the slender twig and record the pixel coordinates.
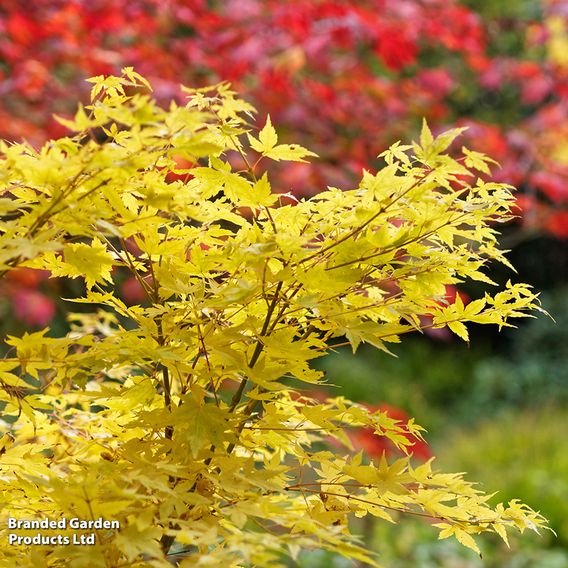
(203, 350)
(354, 232)
(348, 497)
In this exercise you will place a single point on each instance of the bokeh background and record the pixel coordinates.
(347, 79)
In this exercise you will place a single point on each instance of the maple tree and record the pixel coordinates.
(175, 415)
(345, 78)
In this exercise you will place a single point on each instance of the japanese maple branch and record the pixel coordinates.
(354, 232)
(303, 489)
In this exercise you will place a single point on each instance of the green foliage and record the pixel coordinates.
(412, 544)
(511, 9)
(525, 452)
(534, 369)
(469, 383)
(175, 416)
(426, 379)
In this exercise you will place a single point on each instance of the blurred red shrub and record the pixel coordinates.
(31, 306)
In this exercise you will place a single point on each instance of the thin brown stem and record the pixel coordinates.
(303, 489)
(258, 346)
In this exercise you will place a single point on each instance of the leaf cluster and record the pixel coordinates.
(175, 416)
